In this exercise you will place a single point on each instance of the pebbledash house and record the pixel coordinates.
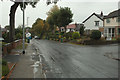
(112, 25)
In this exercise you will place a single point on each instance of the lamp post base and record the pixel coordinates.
(23, 52)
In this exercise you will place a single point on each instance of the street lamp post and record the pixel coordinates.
(23, 29)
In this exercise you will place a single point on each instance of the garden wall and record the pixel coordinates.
(6, 49)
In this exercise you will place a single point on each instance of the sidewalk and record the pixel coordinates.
(25, 64)
(23, 68)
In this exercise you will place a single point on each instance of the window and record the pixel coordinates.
(71, 29)
(105, 30)
(109, 30)
(107, 20)
(118, 19)
(96, 23)
(113, 32)
(119, 31)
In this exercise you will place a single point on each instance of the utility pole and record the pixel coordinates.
(23, 29)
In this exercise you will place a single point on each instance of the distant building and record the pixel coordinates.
(112, 25)
(71, 28)
(93, 22)
(78, 26)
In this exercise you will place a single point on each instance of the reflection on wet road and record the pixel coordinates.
(74, 61)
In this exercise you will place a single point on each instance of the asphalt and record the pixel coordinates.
(63, 60)
(51, 59)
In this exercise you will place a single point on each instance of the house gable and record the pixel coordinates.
(112, 19)
(91, 16)
(93, 23)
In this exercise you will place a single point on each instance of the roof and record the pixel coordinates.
(115, 13)
(71, 26)
(97, 15)
(78, 27)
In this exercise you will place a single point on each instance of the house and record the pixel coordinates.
(78, 26)
(69, 28)
(112, 25)
(93, 22)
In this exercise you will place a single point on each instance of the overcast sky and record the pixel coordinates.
(81, 9)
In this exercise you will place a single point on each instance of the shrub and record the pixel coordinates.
(75, 35)
(6, 37)
(18, 36)
(96, 35)
(5, 69)
(118, 39)
(4, 62)
(68, 35)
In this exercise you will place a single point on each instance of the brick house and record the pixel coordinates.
(112, 25)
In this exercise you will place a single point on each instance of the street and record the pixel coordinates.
(64, 60)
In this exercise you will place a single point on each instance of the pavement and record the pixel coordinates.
(50, 59)
(25, 64)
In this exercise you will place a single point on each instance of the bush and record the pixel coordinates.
(75, 35)
(6, 37)
(68, 35)
(96, 35)
(5, 69)
(4, 62)
(18, 36)
(118, 39)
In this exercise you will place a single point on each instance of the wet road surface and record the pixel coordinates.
(63, 60)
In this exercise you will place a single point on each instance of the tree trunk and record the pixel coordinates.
(12, 21)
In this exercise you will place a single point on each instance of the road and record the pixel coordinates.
(63, 60)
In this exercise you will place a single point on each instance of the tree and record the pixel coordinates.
(60, 17)
(65, 17)
(13, 11)
(81, 30)
(44, 29)
(52, 17)
(18, 32)
(12, 16)
(38, 26)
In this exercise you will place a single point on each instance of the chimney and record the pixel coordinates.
(101, 14)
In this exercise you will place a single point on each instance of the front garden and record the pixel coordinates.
(74, 37)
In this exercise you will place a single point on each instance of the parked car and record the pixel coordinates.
(36, 37)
